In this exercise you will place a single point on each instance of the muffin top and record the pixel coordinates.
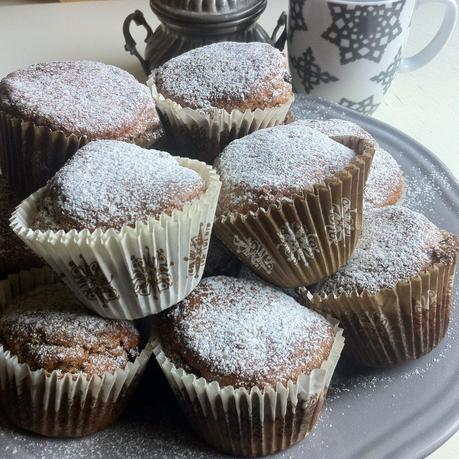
(339, 127)
(276, 163)
(396, 244)
(14, 254)
(109, 184)
(84, 98)
(385, 181)
(48, 328)
(226, 75)
(244, 333)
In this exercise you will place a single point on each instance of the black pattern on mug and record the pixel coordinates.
(365, 106)
(310, 73)
(363, 32)
(386, 76)
(296, 18)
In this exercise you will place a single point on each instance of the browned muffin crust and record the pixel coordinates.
(49, 329)
(244, 333)
(226, 75)
(14, 254)
(385, 184)
(395, 186)
(109, 184)
(84, 98)
(274, 164)
(396, 245)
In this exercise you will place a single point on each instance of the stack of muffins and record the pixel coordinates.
(306, 205)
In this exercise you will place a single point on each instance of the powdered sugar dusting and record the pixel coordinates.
(245, 328)
(384, 180)
(385, 174)
(48, 327)
(339, 127)
(291, 158)
(81, 97)
(110, 183)
(225, 73)
(396, 244)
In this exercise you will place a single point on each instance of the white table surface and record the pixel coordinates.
(424, 104)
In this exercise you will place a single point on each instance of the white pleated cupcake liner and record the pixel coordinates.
(254, 422)
(134, 272)
(302, 240)
(395, 324)
(204, 135)
(55, 403)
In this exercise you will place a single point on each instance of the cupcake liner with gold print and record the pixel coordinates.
(395, 324)
(134, 272)
(58, 404)
(203, 135)
(254, 422)
(307, 238)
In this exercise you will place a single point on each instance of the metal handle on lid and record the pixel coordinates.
(130, 46)
(279, 43)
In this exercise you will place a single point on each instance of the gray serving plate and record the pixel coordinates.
(402, 412)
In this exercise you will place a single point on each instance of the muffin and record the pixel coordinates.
(14, 254)
(211, 95)
(233, 351)
(291, 201)
(385, 185)
(48, 111)
(111, 184)
(394, 296)
(127, 228)
(51, 344)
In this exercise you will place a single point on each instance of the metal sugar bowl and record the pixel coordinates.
(188, 24)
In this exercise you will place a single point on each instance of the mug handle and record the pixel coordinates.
(440, 39)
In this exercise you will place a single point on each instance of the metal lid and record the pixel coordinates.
(206, 10)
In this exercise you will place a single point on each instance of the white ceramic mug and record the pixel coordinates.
(348, 51)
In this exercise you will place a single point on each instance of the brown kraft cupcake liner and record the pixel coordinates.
(393, 325)
(31, 154)
(254, 422)
(203, 135)
(58, 404)
(302, 240)
(136, 271)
